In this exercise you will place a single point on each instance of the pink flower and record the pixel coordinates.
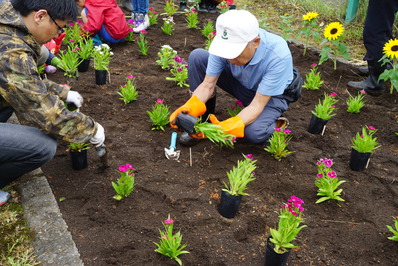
(178, 59)
(332, 174)
(125, 168)
(130, 76)
(239, 103)
(234, 139)
(232, 107)
(333, 94)
(312, 65)
(250, 156)
(319, 175)
(277, 129)
(130, 21)
(192, 9)
(143, 31)
(361, 136)
(362, 91)
(371, 127)
(71, 24)
(334, 106)
(179, 69)
(287, 131)
(209, 19)
(151, 9)
(79, 22)
(159, 101)
(168, 221)
(71, 41)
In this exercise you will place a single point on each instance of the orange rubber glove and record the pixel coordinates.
(193, 106)
(233, 125)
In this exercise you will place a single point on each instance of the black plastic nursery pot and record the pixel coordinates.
(84, 65)
(79, 159)
(359, 160)
(274, 259)
(229, 204)
(316, 125)
(186, 122)
(100, 77)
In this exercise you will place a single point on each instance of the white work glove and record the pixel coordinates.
(99, 137)
(75, 98)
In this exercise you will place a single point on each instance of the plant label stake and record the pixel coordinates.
(103, 154)
(171, 153)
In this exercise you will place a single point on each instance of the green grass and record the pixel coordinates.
(15, 235)
(269, 14)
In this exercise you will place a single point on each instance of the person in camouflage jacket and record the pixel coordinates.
(24, 26)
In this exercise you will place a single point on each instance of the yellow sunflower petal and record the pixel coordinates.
(333, 31)
(390, 49)
(310, 16)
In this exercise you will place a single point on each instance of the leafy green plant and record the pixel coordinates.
(309, 28)
(392, 230)
(102, 57)
(290, 218)
(128, 92)
(125, 183)
(159, 115)
(354, 104)
(327, 181)
(78, 147)
(286, 26)
(169, 243)
(391, 57)
(223, 7)
(142, 43)
(332, 44)
(166, 57)
(153, 16)
(324, 109)
(313, 79)
(240, 176)
(179, 70)
(130, 37)
(214, 133)
(364, 141)
(170, 8)
(278, 143)
(208, 27)
(168, 25)
(85, 48)
(209, 39)
(74, 33)
(69, 62)
(191, 17)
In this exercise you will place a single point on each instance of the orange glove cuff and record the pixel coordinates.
(233, 125)
(193, 106)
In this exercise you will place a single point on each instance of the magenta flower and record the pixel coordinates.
(277, 129)
(287, 131)
(319, 175)
(362, 91)
(371, 127)
(333, 94)
(239, 103)
(151, 9)
(312, 65)
(332, 174)
(79, 22)
(178, 59)
(334, 106)
(130, 21)
(71, 41)
(168, 221)
(250, 156)
(125, 168)
(159, 101)
(143, 31)
(130, 76)
(232, 107)
(179, 69)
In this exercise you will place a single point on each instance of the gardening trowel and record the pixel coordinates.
(171, 152)
(103, 154)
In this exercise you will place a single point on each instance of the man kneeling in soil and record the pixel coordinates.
(24, 26)
(251, 64)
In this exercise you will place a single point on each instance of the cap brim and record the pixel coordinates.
(226, 50)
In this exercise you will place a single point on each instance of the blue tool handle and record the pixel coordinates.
(173, 141)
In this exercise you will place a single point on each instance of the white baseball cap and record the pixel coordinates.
(234, 30)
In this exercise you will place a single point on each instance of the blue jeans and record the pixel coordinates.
(140, 6)
(263, 127)
(22, 149)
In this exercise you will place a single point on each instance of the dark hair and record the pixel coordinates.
(58, 9)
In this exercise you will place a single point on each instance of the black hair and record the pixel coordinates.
(58, 9)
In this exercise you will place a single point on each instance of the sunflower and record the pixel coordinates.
(310, 16)
(391, 49)
(333, 31)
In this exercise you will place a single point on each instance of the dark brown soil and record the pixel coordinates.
(109, 232)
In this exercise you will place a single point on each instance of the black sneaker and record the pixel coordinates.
(186, 140)
(183, 5)
(202, 7)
